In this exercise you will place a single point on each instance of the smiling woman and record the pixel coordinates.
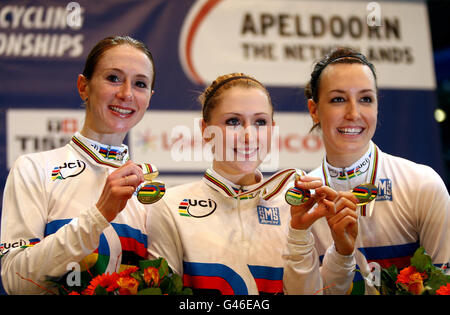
(227, 232)
(76, 204)
(238, 112)
(116, 84)
(412, 206)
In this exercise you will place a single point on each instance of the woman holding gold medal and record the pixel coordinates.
(231, 232)
(343, 103)
(75, 204)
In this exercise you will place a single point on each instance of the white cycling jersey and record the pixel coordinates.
(239, 244)
(49, 206)
(412, 209)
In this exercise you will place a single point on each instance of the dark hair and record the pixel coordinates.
(211, 95)
(110, 42)
(337, 55)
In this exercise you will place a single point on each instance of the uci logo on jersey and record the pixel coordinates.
(196, 208)
(68, 169)
(268, 215)
(5, 247)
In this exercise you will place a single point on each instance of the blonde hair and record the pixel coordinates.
(211, 95)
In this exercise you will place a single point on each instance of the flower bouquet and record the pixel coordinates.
(152, 277)
(421, 277)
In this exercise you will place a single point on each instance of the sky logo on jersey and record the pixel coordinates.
(384, 189)
(196, 208)
(68, 169)
(268, 215)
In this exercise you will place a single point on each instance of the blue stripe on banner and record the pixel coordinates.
(268, 273)
(124, 230)
(217, 270)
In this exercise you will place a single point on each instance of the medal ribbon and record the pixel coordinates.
(276, 182)
(96, 155)
(372, 180)
(99, 156)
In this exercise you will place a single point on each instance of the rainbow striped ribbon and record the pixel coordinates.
(372, 180)
(99, 158)
(276, 182)
(96, 155)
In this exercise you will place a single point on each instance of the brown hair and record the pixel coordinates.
(337, 55)
(211, 95)
(113, 41)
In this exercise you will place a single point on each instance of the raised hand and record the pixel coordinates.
(119, 187)
(304, 215)
(344, 224)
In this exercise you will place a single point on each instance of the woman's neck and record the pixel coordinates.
(238, 178)
(115, 139)
(341, 160)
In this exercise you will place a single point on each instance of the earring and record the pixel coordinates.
(85, 102)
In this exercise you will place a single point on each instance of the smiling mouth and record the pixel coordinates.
(246, 154)
(350, 131)
(121, 111)
(246, 151)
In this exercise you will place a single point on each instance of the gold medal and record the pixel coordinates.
(149, 170)
(151, 192)
(296, 196)
(151, 176)
(365, 193)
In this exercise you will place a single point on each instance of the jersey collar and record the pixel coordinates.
(267, 189)
(114, 156)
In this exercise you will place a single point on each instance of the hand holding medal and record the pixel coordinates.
(296, 196)
(303, 210)
(339, 209)
(150, 191)
(365, 193)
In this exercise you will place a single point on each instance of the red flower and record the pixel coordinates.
(151, 276)
(128, 271)
(443, 290)
(107, 281)
(411, 279)
(127, 285)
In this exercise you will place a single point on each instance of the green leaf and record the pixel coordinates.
(187, 291)
(143, 264)
(99, 290)
(422, 261)
(177, 283)
(163, 268)
(150, 291)
(137, 275)
(166, 285)
(388, 279)
(436, 280)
